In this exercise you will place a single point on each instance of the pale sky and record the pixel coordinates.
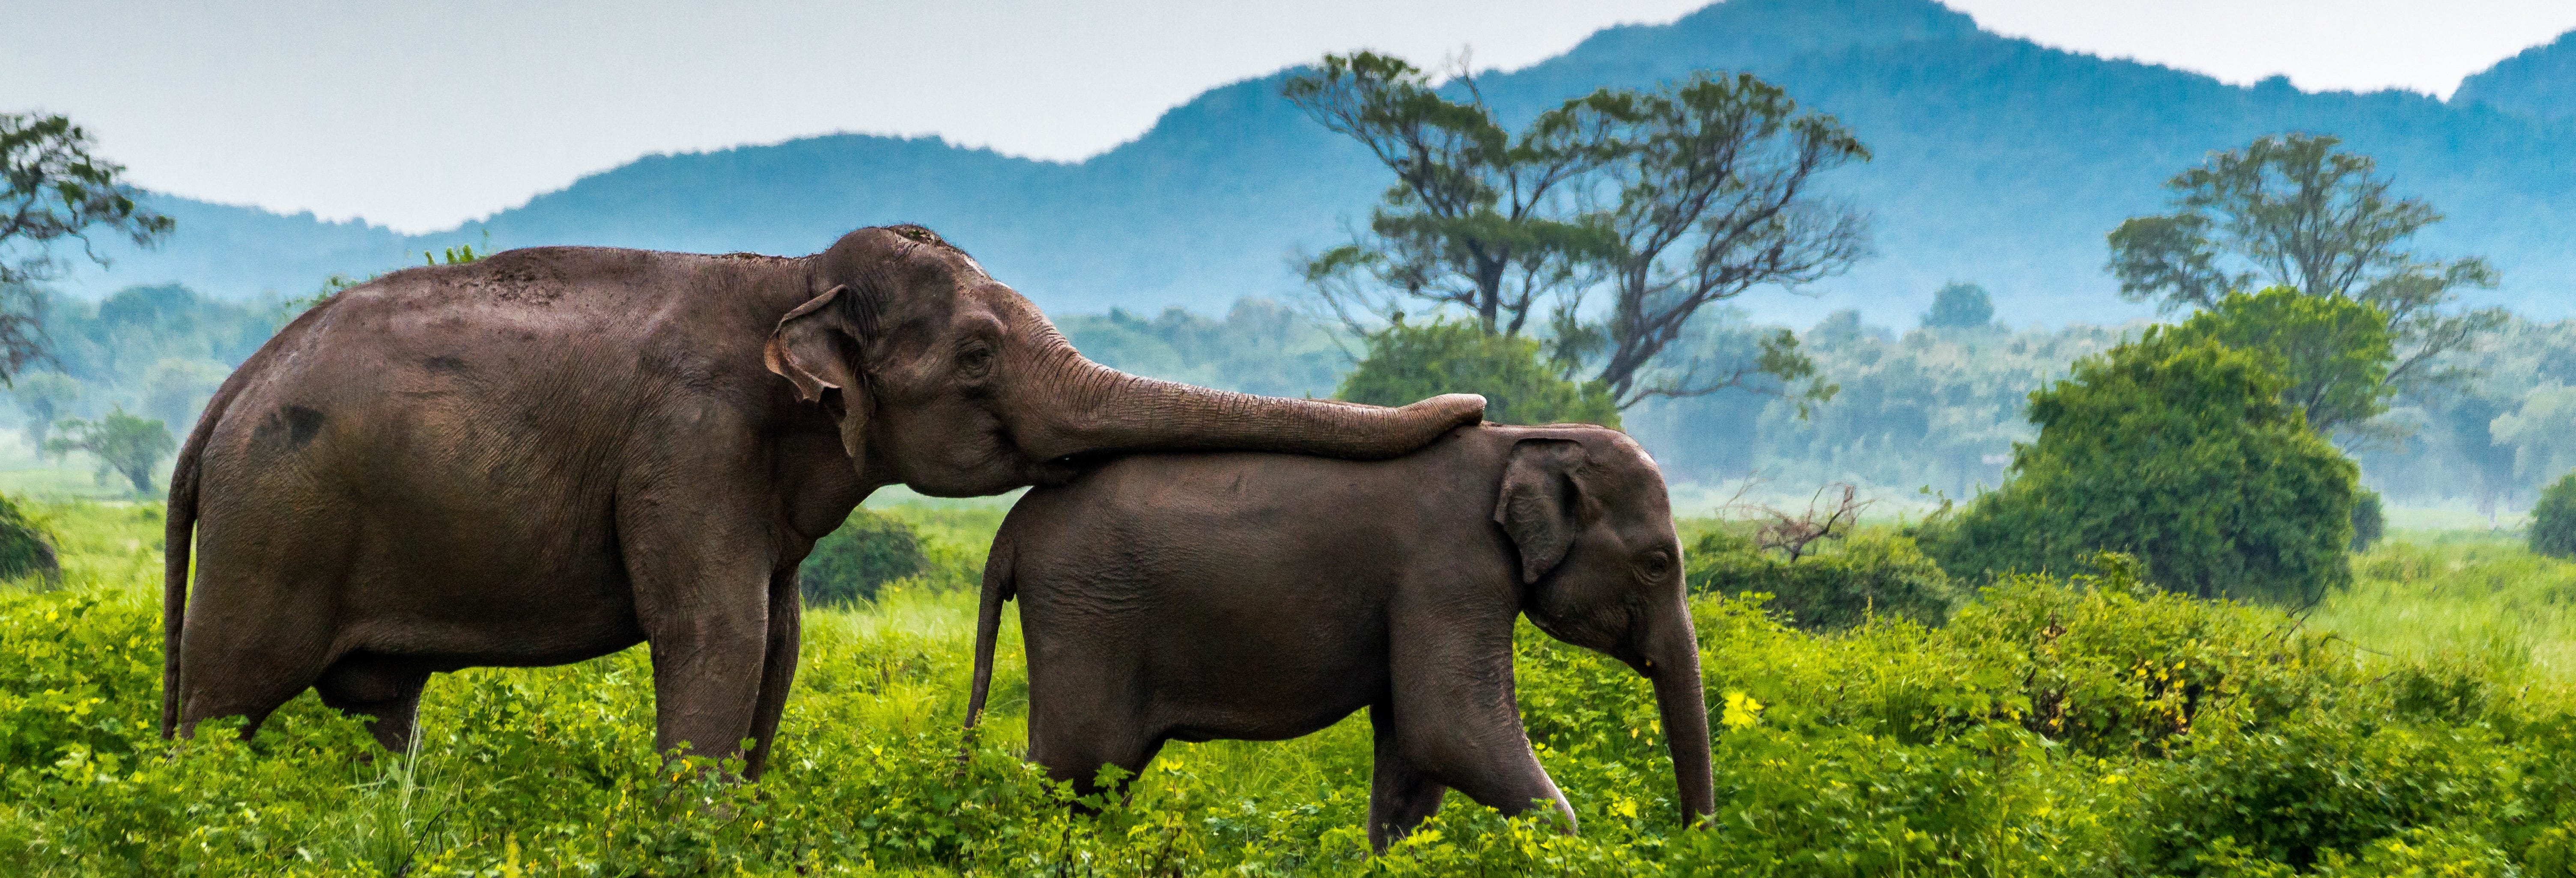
(422, 114)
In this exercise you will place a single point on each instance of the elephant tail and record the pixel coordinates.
(998, 588)
(177, 539)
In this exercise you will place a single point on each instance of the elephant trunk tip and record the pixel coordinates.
(1456, 409)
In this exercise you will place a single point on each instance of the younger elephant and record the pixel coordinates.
(1264, 596)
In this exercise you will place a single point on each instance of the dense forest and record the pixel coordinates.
(1996, 160)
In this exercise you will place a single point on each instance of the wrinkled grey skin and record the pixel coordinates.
(1260, 597)
(556, 453)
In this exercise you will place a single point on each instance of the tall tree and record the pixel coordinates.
(1669, 200)
(1474, 216)
(2292, 210)
(1709, 193)
(56, 191)
(129, 445)
(2334, 352)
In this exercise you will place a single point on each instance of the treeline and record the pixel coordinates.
(157, 352)
(1934, 406)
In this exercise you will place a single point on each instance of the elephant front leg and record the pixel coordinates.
(702, 588)
(1453, 717)
(1400, 795)
(778, 669)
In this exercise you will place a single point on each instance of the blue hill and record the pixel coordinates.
(1998, 161)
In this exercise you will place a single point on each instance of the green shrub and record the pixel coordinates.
(2369, 520)
(1410, 361)
(853, 562)
(2181, 454)
(2553, 519)
(26, 549)
(1840, 586)
(2090, 725)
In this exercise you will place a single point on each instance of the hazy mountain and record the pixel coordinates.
(1998, 161)
(2540, 82)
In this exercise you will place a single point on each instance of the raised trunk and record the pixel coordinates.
(1683, 701)
(1089, 408)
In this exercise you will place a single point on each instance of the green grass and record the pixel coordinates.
(2461, 597)
(2052, 729)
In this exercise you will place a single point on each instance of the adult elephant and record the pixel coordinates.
(553, 454)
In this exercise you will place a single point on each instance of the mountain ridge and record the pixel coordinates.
(1999, 161)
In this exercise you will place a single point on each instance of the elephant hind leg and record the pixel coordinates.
(238, 683)
(382, 687)
(246, 662)
(1076, 755)
(1400, 795)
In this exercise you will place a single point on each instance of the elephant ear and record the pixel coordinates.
(813, 349)
(1541, 506)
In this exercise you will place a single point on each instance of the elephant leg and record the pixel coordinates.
(1079, 762)
(1456, 718)
(246, 651)
(777, 670)
(702, 581)
(376, 686)
(1074, 730)
(1400, 795)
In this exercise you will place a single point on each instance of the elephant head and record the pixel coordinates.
(1601, 569)
(952, 383)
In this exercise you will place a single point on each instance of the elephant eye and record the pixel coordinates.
(1657, 563)
(975, 361)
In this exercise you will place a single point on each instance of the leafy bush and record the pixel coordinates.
(853, 562)
(25, 548)
(2083, 726)
(2369, 520)
(1410, 361)
(2553, 519)
(2181, 454)
(1839, 587)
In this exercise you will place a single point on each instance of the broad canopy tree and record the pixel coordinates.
(2294, 211)
(1665, 200)
(128, 445)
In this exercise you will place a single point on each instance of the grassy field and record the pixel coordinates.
(2461, 596)
(2419, 724)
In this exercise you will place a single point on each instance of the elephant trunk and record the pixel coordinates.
(1673, 666)
(1094, 408)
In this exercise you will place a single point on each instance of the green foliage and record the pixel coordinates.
(2541, 432)
(1844, 585)
(1960, 305)
(2334, 352)
(1668, 199)
(2307, 216)
(2369, 521)
(54, 190)
(2553, 519)
(852, 562)
(2055, 727)
(1927, 408)
(2180, 453)
(129, 445)
(26, 547)
(45, 397)
(1260, 347)
(1407, 362)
